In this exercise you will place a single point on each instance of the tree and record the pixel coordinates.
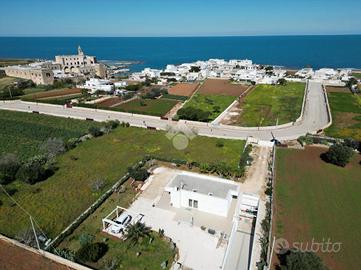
(338, 154)
(134, 233)
(139, 174)
(298, 260)
(95, 131)
(91, 252)
(282, 81)
(53, 147)
(9, 165)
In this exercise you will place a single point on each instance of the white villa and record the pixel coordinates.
(98, 85)
(207, 194)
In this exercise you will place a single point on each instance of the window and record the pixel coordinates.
(190, 203)
(195, 204)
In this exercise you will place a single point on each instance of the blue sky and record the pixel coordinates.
(178, 17)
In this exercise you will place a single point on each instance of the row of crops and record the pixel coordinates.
(23, 133)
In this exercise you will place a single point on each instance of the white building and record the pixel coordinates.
(99, 85)
(207, 194)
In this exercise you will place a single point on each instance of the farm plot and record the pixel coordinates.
(268, 105)
(320, 201)
(110, 102)
(346, 115)
(54, 93)
(222, 87)
(156, 107)
(23, 133)
(213, 105)
(56, 202)
(183, 89)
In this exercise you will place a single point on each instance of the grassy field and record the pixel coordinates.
(346, 115)
(215, 104)
(152, 255)
(267, 103)
(4, 82)
(319, 200)
(357, 75)
(156, 107)
(23, 133)
(56, 202)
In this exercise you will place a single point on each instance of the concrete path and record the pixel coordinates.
(315, 118)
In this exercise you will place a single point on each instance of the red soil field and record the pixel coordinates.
(56, 93)
(183, 89)
(222, 87)
(13, 257)
(110, 102)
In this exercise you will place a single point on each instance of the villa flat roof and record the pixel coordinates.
(204, 184)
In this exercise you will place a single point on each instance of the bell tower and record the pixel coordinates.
(80, 51)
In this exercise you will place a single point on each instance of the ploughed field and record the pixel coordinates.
(320, 201)
(183, 89)
(58, 96)
(57, 201)
(24, 133)
(346, 113)
(222, 87)
(267, 105)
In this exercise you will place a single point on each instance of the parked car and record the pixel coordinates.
(122, 221)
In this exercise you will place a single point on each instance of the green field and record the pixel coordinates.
(318, 200)
(56, 202)
(215, 104)
(6, 81)
(152, 255)
(268, 103)
(357, 75)
(156, 107)
(23, 133)
(346, 115)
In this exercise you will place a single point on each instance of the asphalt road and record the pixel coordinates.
(315, 118)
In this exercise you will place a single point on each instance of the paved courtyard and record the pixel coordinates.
(198, 249)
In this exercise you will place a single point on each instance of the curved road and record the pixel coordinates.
(315, 118)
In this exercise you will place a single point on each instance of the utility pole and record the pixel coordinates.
(36, 236)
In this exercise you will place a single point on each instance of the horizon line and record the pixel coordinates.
(175, 36)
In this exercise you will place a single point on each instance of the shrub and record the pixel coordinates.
(35, 170)
(219, 143)
(298, 260)
(91, 252)
(139, 174)
(95, 131)
(338, 154)
(190, 113)
(53, 147)
(112, 124)
(71, 143)
(9, 165)
(86, 238)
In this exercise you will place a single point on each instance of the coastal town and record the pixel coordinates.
(196, 143)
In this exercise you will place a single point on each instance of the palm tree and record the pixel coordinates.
(137, 231)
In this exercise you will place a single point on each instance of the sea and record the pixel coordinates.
(156, 52)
